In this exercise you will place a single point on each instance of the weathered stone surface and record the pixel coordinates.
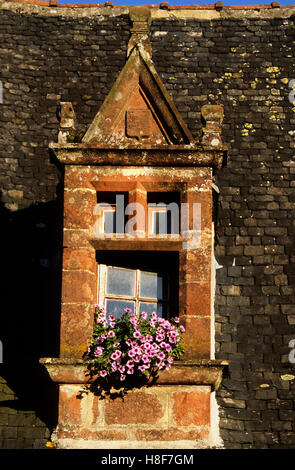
(235, 67)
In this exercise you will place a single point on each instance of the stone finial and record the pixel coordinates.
(213, 116)
(141, 18)
(66, 121)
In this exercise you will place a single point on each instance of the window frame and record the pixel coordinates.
(103, 295)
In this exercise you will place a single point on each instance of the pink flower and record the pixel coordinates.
(103, 373)
(161, 355)
(98, 352)
(170, 360)
(154, 316)
(122, 369)
(160, 338)
(112, 324)
(116, 344)
(131, 353)
(136, 334)
(182, 329)
(149, 338)
(130, 371)
(176, 319)
(142, 368)
(122, 377)
(130, 363)
(112, 318)
(116, 355)
(145, 358)
(127, 310)
(144, 315)
(114, 366)
(111, 334)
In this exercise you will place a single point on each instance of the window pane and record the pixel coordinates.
(116, 307)
(149, 308)
(109, 222)
(151, 285)
(121, 281)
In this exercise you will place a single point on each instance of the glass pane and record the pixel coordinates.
(116, 307)
(161, 223)
(109, 221)
(149, 308)
(151, 285)
(121, 281)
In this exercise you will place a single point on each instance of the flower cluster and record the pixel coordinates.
(134, 345)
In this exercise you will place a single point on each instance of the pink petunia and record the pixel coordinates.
(116, 355)
(131, 353)
(161, 355)
(182, 329)
(144, 315)
(145, 358)
(127, 310)
(103, 373)
(111, 334)
(112, 318)
(136, 334)
(98, 352)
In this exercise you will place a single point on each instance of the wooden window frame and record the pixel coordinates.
(103, 296)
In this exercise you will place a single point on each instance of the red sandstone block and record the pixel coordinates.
(197, 337)
(76, 329)
(136, 408)
(195, 299)
(171, 434)
(191, 408)
(77, 432)
(78, 286)
(69, 407)
(195, 265)
(79, 259)
(77, 238)
(78, 209)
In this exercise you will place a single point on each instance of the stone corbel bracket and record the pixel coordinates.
(213, 117)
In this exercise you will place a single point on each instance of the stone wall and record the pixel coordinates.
(242, 59)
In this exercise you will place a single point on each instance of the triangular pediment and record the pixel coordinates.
(138, 110)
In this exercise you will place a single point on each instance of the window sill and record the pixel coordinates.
(199, 372)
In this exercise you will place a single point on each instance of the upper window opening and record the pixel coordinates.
(111, 211)
(163, 213)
